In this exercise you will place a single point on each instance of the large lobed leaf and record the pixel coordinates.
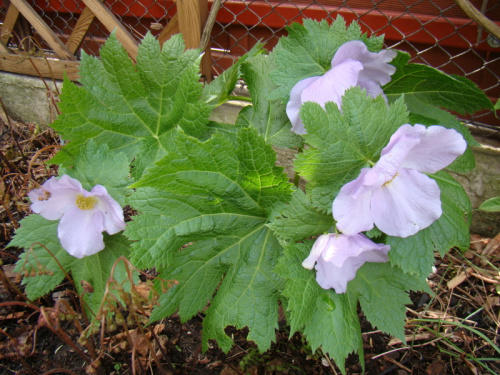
(300, 220)
(137, 108)
(213, 200)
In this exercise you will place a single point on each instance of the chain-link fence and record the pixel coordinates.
(434, 32)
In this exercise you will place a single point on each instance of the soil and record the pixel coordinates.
(454, 332)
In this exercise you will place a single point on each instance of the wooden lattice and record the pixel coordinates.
(189, 20)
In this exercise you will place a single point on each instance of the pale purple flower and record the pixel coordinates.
(338, 257)
(394, 194)
(352, 65)
(84, 215)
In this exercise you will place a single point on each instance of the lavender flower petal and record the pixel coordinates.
(338, 257)
(437, 148)
(407, 204)
(55, 197)
(352, 65)
(80, 232)
(351, 207)
(110, 209)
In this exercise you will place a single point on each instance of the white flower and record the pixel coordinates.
(84, 215)
(352, 65)
(394, 194)
(338, 257)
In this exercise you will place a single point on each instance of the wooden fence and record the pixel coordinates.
(190, 19)
(434, 32)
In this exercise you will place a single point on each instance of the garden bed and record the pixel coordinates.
(455, 331)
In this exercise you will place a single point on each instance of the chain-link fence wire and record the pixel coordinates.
(434, 32)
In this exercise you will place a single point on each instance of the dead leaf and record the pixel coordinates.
(459, 279)
(19, 343)
(491, 302)
(437, 367)
(140, 342)
(492, 246)
(228, 370)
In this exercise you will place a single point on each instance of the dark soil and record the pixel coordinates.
(453, 332)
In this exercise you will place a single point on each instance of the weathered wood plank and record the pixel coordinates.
(43, 29)
(48, 67)
(9, 23)
(4, 48)
(111, 23)
(206, 61)
(169, 30)
(80, 30)
(190, 21)
(192, 17)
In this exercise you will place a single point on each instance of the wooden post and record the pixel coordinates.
(192, 17)
(80, 30)
(111, 23)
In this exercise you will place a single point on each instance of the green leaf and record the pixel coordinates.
(41, 270)
(95, 165)
(204, 225)
(343, 143)
(491, 205)
(300, 220)
(133, 108)
(426, 114)
(267, 116)
(308, 50)
(219, 90)
(44, 267)
(433, 87)
(249, 294)
(327, 319)
(381, 290)
(415, 254)
(497, 105)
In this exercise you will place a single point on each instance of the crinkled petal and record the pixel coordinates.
(332, 85)
(407, 204)
(351, 208)
(294, 104)
(55, 197)
(326, 88)
(343, 256)
(80, 232)
(112, 212)
(318, 247)
(438, 147)
(329, 276)
(376, 68)
(394, 155)
(342, 247)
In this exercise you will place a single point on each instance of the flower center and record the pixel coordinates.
(392, 179)
(85, 203)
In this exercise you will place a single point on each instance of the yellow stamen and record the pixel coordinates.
(85, 203)
(392, 179)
